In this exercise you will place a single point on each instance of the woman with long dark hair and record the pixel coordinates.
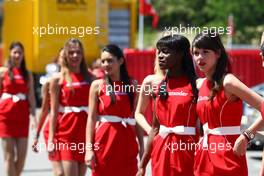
(68, 115)
(219, 107)
(16, 104)
(114, 148)
(174, 97)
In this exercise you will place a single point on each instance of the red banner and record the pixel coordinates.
(147, 9)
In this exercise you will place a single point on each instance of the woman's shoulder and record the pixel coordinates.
(3, 69)
(229, 80)
(56, 79)
(152, 79)
(97, 83)
(199, 82)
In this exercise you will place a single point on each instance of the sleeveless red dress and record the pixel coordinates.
(117, 146)
(218, 159)
(70, 129)
(14, 115)
(170, 155)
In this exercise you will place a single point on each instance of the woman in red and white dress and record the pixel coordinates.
(69, 100)
(16, 104)
(114, 148)
(172, 137)
(219, 107)
(44, 113)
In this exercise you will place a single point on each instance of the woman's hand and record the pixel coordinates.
(141, 171)
(51, 148)
(240, 146)
(35, 145)
(90, 159)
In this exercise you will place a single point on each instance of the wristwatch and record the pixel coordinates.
(249, 135)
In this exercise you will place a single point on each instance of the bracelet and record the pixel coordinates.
(249, 135)
(246, 136)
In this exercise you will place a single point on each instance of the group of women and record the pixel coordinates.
(81, 110)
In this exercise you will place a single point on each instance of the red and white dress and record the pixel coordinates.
(70, 129)
(115, 137)
(174, 146)
(221, 122)
(14, 106)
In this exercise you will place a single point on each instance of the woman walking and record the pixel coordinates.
(68, 115)
(174, 118)
(114, 147)
(16, 104)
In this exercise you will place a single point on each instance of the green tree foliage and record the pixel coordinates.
(248, 15)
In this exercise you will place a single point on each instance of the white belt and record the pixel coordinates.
(68, 109)
(116, 119)
(181, 130)
(14, 97)
(227, 130)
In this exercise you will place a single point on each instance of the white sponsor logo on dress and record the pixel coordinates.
(181, 93)
(203, 98)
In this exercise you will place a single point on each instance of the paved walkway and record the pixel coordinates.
(38, 164)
